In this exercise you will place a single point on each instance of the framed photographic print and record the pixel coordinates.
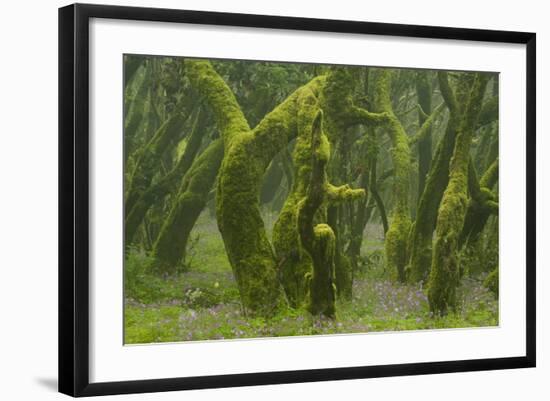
(250, 199)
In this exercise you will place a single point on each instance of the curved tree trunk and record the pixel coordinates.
(169, 248)
(248, 152)
(247, 155)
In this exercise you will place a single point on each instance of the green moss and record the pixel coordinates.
(337, 101)
(343, 193)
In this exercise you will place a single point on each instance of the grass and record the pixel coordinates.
(203, 303)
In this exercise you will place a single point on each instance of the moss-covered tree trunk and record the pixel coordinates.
(334, 97)
(341, 115)
(444, 273)
(317, 237)
(436, 182)
(247, 155)
(169, 248)
(294, 264)
(398, 231)
(318, 240)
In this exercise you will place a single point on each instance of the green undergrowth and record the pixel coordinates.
(202, 302)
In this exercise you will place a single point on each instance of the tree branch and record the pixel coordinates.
(424, 130)
(227, 112)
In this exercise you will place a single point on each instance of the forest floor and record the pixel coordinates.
(202, 303)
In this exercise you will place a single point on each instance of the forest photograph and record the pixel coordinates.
(275, 199)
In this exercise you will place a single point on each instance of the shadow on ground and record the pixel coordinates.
(47, 382)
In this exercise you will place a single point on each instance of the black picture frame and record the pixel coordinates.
(74, 198)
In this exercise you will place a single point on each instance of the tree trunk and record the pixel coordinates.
(438, 178)
(398, 231)
(318, 240)
(248, 152)
(480, 206)
(134, 112)
(424, 94)
(444, 273)
(334, 96)
(169, 248)
(247, 155)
